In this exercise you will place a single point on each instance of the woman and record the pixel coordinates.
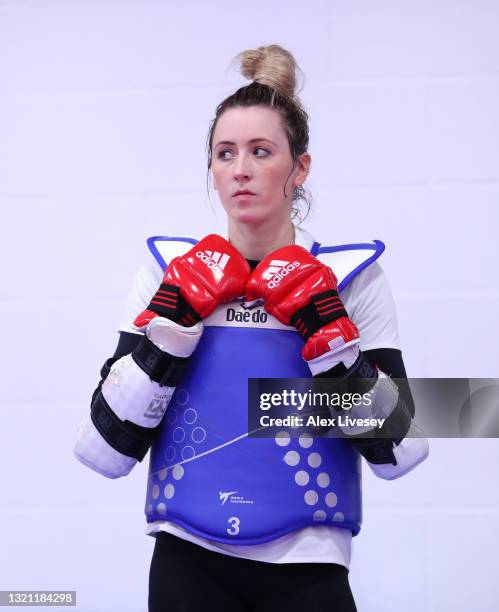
(254, 524)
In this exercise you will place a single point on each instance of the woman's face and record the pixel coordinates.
(250, 152)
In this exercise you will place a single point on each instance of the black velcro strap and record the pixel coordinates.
(398, 423)
(164, 301)
(322, 309)
(376, 451)
(161, 367)
(169, 303)
(124, 436)
(359, 378)
(106, 368)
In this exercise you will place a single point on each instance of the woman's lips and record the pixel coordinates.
(243, 192)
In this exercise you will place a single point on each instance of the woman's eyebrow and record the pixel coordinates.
(229, 142)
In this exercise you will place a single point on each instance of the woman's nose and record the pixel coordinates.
(242, 168)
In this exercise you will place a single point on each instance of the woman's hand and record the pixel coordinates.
(194, 284)
(300, 290)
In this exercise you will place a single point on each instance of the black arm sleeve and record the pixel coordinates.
(388, 361)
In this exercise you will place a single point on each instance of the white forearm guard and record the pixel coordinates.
(134, 398)
(381, 427)
(398, 445)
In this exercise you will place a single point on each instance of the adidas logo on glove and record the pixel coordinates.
(213, 259)
(278, 269)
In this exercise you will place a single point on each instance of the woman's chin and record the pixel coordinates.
(246, 214)
(248, 217)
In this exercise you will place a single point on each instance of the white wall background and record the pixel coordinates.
(104, 111)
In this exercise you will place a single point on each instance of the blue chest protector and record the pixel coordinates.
(206, 474)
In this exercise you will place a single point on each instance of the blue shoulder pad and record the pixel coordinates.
(165, 248)
(348, 260)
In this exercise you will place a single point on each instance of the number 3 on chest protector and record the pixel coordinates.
(234, 522)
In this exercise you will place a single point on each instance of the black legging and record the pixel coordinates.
(185, 577)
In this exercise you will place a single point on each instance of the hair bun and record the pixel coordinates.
(272, 66)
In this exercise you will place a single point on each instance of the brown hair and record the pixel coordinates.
(272, 71)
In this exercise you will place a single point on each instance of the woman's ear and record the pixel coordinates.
(304, 161)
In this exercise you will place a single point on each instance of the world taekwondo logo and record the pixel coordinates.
(213, 259)
(231, 497)
(277, 270)
(225, 496)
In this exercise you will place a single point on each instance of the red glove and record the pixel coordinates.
(301, 291)
(194, 284)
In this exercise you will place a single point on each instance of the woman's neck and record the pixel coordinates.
(255, 242)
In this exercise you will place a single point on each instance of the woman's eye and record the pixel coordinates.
(226, 154)
(262, 149)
